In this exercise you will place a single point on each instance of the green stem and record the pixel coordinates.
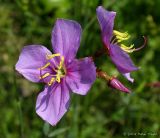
(20, 117)
(19, 99)
(103, 75)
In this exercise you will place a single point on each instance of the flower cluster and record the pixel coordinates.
(62, 73)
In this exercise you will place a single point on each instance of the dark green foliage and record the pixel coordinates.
(103, 113)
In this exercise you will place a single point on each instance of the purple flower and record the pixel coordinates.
(116, 84)
(112, 40)
(61, 72)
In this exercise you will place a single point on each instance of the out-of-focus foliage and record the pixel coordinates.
(103, 113)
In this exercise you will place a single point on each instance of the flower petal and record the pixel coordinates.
(106, 21)
(122, 61)
(66, 37)
(128, 76)
(31, 58)
(52, 103)
(81, 75)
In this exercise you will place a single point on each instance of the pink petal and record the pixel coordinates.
(66, 36)
(128, 76)
(122, 61)
(53, 103)
(106, 21)
(81, 75)
(31, 58)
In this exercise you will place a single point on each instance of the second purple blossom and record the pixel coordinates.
(113, 42)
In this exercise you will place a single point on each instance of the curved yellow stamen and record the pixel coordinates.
(45, 66)
(44, 76)
(117, 33)
(119, 37)
(52, 56)
(128, 49)
(61, 70)
(51, 81)
(61, 63)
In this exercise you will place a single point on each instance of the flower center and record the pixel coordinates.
(59, 70)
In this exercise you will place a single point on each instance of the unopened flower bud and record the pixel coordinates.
(116, 84)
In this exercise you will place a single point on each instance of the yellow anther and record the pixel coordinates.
(45, 66)
(51, 81)
(120, 39)
(45, 75)
(61, 63)
(117, 33)
(128, 49)
(52, 56)
(121, 36)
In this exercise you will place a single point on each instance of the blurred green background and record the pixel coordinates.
(103, 113)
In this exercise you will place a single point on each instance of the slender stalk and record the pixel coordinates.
(103, 75)
(19, 101)
(20, 117)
